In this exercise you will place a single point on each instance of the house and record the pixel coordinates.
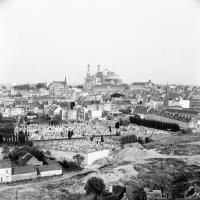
(56, 110)
(141, 85)
(109, 88)
(5, 171)
(195, 196)
(50, 170)
(30, 160)
(168, 116)
(175, 100)
(24, 173)
(195, 104)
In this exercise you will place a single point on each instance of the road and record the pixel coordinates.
(40, 183)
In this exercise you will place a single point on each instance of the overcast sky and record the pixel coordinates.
(42, 40)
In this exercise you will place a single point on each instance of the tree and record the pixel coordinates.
(159, 180)
(17, 152)
(79, 159)
(5, 150)
(48, 153)
(41, 85)
(95, 186)
(139, 194)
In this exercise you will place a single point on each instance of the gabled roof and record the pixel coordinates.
(172, 95)
(53, 167)
(195, 196)
(61, 83)
(26, 157)
(23, 170)
(182, 111)
(4, 164)
(163, 113)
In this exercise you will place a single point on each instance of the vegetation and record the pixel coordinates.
(129, 139)
(22, 87)
(15, 139)
(70, 165)
(186, 131)
(41, 85)
(5, 151)
(19, 151)
(135, 190)
(70, 134)
(161, 180)
(48, 153)
(79, 159)
(7, 135)
(154, 124)
(133, 139)
(95, 186)
(165, 174)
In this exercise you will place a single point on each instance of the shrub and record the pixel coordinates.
(129, 139)
(187, 131)
(95, 186)
(70, 165)
(79, 159)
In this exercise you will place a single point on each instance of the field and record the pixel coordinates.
(172, 152)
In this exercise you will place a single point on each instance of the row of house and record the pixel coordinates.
(9, 173)
(184, 118)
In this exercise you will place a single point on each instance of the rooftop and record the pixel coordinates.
(23, 170)
(4, 164)
(52, 167)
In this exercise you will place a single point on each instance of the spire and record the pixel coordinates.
(167, 88)
(65, 82)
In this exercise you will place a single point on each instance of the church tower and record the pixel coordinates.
(65, 83)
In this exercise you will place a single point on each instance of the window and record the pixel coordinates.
(6, 171)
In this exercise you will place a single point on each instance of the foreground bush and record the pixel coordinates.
(70, 165)
(95, 186)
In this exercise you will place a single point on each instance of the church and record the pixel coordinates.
(58, 88)
(102, 81)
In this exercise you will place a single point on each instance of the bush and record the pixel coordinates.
(148, 140)
(187, 131)
(5, 151)
(70, 165)
(129, 139)
(111, 197)
(79, 159)
(95, 186)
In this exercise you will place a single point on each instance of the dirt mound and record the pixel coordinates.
(133, 153)
(103, 161)
(137, 145)
(123, 172)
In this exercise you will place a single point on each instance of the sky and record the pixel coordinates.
(44, 40)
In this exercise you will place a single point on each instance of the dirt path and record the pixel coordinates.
(37, 184)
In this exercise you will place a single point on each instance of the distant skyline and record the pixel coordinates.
(42, 41)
